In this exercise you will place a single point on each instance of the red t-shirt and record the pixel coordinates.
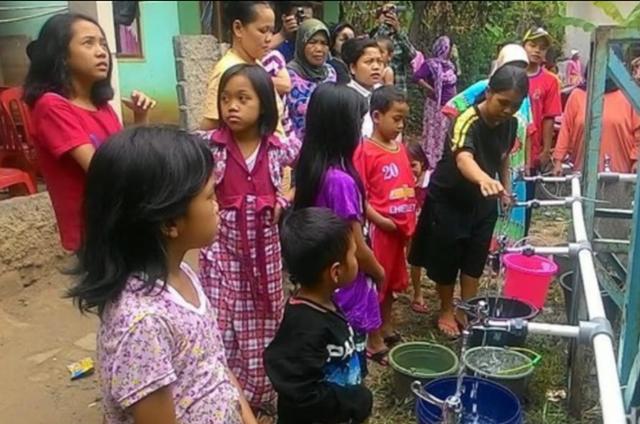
(59, 127)
(544, 92)
(388, 182)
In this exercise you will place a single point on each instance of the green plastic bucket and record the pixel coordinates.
(420, 361)
(512, 367)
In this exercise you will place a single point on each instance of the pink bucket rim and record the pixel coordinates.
(508, 261)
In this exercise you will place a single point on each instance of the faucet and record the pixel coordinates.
(452, 405)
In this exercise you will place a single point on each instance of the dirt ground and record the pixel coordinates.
(40, 334)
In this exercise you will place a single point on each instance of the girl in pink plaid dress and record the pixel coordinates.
(242, 270)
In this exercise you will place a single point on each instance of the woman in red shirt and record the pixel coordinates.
(68, 88)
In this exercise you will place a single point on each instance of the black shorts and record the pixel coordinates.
(450, 239)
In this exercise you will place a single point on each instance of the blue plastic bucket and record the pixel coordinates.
(495, 403)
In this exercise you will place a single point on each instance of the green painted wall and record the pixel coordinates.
(27, 26)
(189, 17)
(154, 74)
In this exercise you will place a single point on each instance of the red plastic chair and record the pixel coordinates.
(10, 177)
(16, 134)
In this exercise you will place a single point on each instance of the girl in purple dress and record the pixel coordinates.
(437, 76)
(325, 177)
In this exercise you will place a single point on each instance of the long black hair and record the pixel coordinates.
(262, 84)
(333, 125)
(48, 54)
(138, 181)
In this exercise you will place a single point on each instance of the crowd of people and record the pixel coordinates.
(302, 160)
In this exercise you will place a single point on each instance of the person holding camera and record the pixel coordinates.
(403, 50)
(293, 13)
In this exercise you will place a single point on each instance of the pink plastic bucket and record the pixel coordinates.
(527, 278)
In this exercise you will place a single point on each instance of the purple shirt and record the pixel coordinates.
(425, 72)
(359, 300)
(148, 341)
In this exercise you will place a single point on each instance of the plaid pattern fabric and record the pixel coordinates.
(227, 276)
(403, 53)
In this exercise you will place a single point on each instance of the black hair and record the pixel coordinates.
(243, 11)
(138, 181)
(313, 239)
(417, 153)
(382, 98)
(510, 77)
(333, 126)
(262, 84)
(48, 71)
(354, 48)
(336, 29)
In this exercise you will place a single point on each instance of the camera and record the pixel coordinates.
(300, 15)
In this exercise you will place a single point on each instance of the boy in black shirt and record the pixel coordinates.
(457, 221)
(312, 362)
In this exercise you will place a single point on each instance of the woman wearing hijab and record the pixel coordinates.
(308, 69)
(437, 76)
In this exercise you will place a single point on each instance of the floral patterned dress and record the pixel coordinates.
(298, 98)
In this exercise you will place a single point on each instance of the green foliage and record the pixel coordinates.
(477, 27)
(610, 9)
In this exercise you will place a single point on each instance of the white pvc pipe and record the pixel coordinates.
(615, 176)
(540, 250)
(608, 381)
(558, 330)
(613, 411)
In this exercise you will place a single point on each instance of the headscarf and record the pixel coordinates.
(300, 64)
(442, 68)
(511, 54)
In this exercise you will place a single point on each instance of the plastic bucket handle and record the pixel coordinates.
(533, 356)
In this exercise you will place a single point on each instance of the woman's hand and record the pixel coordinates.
(506, 201)
(491, 188)
(140, 104)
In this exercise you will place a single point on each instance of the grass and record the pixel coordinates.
(549, 378)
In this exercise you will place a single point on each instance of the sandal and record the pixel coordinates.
(379, 357)
(419, 308)
(393, 339)
(450, 330)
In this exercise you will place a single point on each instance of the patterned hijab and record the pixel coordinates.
(308, 29)
(442, 68)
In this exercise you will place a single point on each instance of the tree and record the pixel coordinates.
(610, 9)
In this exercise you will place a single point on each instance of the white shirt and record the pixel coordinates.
(367, 123)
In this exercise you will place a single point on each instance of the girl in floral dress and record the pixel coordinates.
(150, 199)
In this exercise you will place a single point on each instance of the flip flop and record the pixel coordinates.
(451, 331)
(379, 357)
(393, 339)
(419, 308)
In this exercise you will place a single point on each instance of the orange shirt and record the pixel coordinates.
(620, 131)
